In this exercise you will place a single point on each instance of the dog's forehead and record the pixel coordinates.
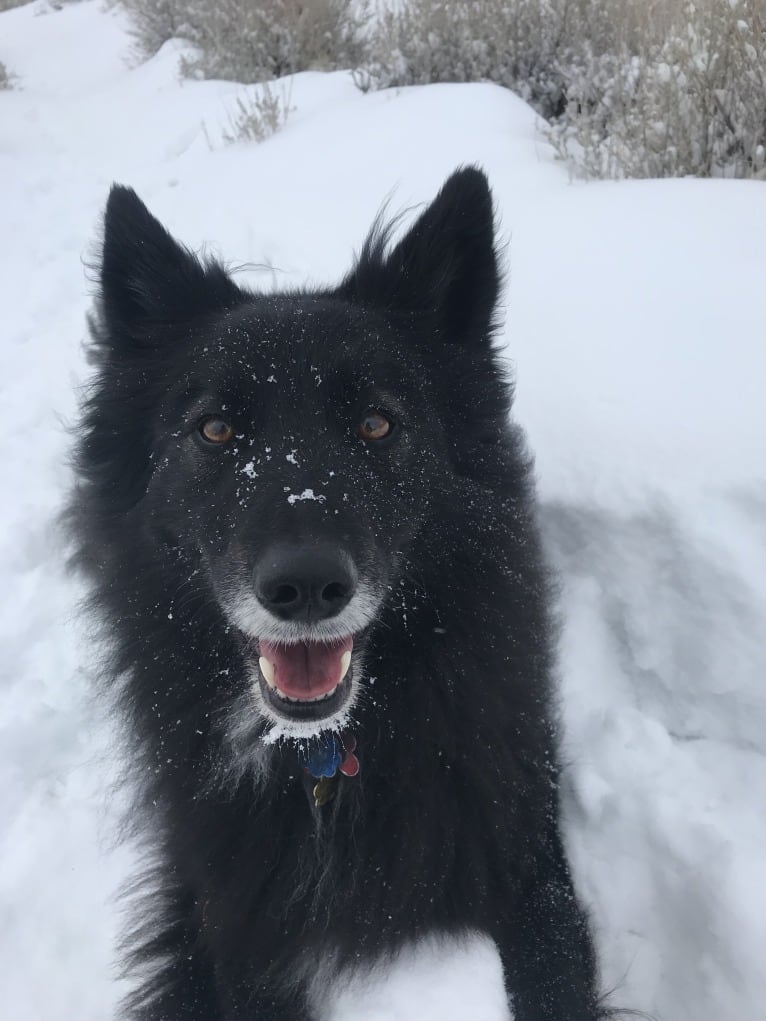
(291, 339)
(284, 327)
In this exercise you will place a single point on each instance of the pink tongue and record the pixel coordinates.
(307, 669)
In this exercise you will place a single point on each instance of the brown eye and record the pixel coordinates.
(374, 426)
(215, 430)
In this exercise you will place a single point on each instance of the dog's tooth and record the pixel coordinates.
(267, 669)
(300, 701)
(345, 663)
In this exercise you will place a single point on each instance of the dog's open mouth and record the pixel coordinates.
(306, 680)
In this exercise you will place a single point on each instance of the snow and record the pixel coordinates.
(635, 324)
(307, 494)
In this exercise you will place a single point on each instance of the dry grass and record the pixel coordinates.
(258, 114)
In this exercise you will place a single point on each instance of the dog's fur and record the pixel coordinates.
(258, 898)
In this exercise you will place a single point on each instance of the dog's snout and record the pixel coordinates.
(305, 584)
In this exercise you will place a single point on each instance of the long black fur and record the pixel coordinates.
(257, 899)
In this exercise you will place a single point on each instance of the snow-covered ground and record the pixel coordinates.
(635, 320)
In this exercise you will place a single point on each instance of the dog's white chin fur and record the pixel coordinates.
(251, 730)
(300, 730)
(283, 728)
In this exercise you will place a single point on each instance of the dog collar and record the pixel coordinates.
(330, 755)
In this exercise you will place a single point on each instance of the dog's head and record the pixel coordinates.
(285, 449)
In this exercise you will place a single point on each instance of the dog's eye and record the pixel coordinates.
(374, 426)
(215, 430)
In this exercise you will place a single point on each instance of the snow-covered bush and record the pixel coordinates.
(258, 115)
(654, 88)
(153, 22)
(687, 100)
(511, 42)
(253, 40)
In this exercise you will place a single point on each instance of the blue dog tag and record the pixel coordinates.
(324, 759)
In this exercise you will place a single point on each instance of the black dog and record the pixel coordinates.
(310, 530)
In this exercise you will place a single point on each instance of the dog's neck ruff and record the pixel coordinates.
(330, 755)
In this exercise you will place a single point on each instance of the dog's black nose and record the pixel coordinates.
(304, 583)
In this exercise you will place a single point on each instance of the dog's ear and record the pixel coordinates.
(446, 264)
(147, 278)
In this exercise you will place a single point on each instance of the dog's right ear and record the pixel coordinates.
(445, 266)
(147, 278)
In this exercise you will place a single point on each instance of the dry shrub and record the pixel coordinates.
(687, 98)
(247, 41)
(511, 42)
(153, 22)
(654, 88)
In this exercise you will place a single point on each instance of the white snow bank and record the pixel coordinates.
(635, 320)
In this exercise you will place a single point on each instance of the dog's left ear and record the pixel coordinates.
(445, 264)
(147, 278)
